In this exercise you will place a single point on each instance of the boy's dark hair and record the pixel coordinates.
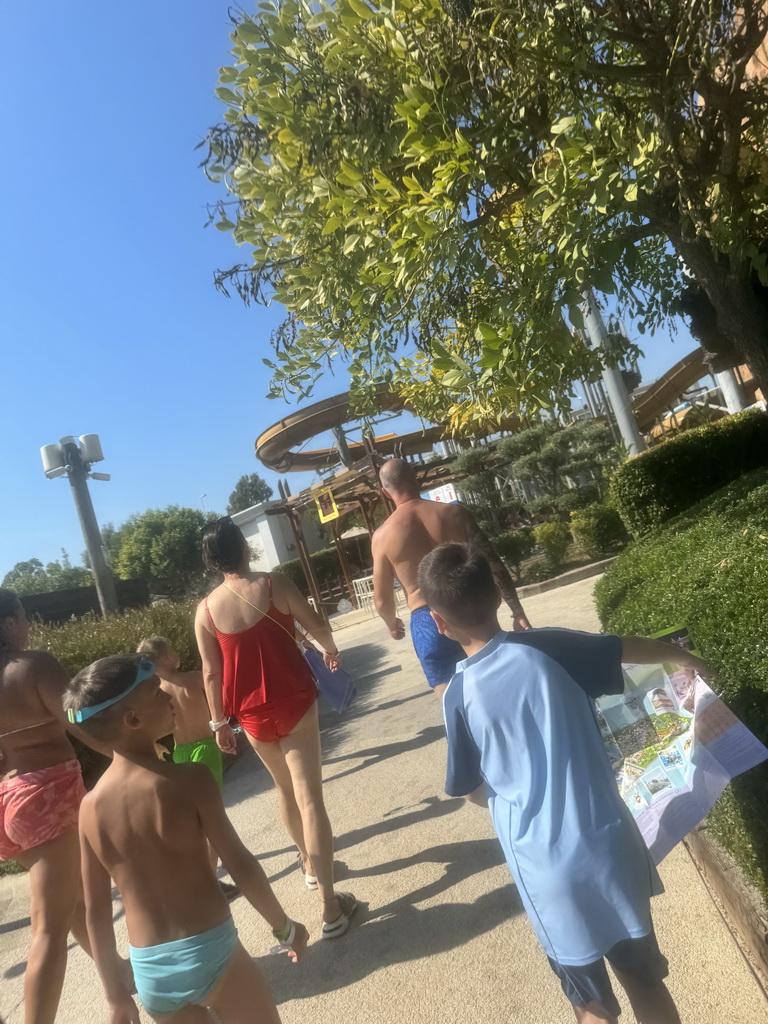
(456, 580)
(100, 681)
(223, 544)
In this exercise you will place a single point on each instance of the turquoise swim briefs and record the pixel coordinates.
(182, 973)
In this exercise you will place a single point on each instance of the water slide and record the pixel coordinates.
(279, 446)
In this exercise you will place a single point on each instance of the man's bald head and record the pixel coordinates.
(398, 478)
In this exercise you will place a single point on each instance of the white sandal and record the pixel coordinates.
(348, 905)
(309, 880)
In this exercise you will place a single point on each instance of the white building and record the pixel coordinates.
(271, 537)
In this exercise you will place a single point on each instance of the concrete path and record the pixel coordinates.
(441, 936)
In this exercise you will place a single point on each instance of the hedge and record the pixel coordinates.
(651, 488)
(553, 538)
(78, 643)
(326, 565)
(709, 569)
(515, 546)
(598, 530)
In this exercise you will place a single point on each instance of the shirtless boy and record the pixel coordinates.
(415, 528)
(192, 738)
(146, 826)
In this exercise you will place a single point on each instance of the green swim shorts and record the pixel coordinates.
(204, 751)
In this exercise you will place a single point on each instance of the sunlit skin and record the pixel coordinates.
(146, 826)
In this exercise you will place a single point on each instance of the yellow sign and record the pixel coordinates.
(326, 506)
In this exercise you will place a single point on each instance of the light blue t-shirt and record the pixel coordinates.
(520, 718)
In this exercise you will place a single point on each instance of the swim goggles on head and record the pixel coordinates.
(144, 671)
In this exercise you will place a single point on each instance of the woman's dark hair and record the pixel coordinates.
(223, 545)
(10, 606)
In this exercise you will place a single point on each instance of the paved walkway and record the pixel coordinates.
(441, 936)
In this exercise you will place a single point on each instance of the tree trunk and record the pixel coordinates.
(740, 308)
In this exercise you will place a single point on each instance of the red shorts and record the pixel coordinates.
(39, 806)
(271, 722)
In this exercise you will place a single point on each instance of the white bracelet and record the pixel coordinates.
(215, 726)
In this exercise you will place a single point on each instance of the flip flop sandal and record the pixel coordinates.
(335, 929)
(309, 880)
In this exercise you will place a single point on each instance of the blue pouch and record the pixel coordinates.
(337, 687)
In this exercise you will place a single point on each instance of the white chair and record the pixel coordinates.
(364, 594)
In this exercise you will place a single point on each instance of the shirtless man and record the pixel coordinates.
(415, 528)
(193, 741)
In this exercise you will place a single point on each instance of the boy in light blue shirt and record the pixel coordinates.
(523, 738)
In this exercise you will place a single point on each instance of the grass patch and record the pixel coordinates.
(708, 568)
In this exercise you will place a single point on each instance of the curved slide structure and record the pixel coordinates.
(278, 447)
(275, 447)
(664, 393)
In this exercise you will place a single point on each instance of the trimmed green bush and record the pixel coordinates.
(598, 530)
(78, 643)
(651, 488)
(515, 546)
(708, 569)
(553, 538)
(576, 498)
(326, 565)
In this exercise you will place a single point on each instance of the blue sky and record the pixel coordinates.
(110, 321)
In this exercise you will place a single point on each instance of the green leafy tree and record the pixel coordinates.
(249, 490)
(556, 458)
(478, 485)
(164, 544)
(32, 577)
(426, 195)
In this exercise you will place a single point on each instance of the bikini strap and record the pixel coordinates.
(208, 613)
(269, 586)
(266, 614)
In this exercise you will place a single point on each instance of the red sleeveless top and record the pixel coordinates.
(263, 665)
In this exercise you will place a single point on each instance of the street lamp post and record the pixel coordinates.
(614, 384)
(74, 457)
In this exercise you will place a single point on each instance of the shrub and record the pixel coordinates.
(651, 488)
(78, 643)
(576, 498)
(326, 565)
(708, 569)
(542, 505)
(553, 538)
(515, 546)
(598, 530)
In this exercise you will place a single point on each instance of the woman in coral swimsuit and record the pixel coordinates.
(40, 792)
(255, 672)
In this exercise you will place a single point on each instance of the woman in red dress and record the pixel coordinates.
(255, 672)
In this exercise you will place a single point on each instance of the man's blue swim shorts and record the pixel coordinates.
(438, 655)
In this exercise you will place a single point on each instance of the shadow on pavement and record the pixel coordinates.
(433, 807)
(375, 755)
(400, 931)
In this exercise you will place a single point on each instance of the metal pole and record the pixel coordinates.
(614, 385)
(340, 444)
(731, 391)
(341, 554)
(306, 561)
(78, 481)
